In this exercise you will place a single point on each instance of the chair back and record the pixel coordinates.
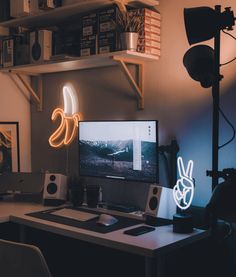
(22, 260)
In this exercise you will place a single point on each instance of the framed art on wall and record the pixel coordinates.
(9, 147)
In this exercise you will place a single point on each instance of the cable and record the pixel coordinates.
(231, 125)
(229, 34)
(233, 38)
(228, 62)
(166, 165)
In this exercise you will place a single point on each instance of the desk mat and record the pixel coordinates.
(123, 222)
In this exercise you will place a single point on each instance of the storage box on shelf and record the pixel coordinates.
(97, 35)
(108, 38)
(53, 16)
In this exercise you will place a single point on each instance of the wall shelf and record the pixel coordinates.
(121, 58)
(63, 63)
(46, 18)
(78, 63)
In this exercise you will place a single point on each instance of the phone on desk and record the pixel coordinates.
(139, 230)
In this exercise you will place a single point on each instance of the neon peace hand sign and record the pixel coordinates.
(183, 191)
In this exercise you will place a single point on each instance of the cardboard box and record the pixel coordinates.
(68, 2)
(107, 17)
(147, 17)
(151, 29)
(88, 45)
(19, 8)
(89, 24)
(149, 50)
(34, 7)
(49, 4)
(66, 43)
(151, 21)
(21, 49)
(149, 43)
(7, 52)
(5, 10)
(145, 12)
(108, 42)
(149, 35)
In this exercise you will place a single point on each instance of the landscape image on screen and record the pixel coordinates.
(121, 150)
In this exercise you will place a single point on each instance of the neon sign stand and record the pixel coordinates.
(69, 117)
(183, 193)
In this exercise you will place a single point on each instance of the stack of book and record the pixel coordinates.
(149, 40)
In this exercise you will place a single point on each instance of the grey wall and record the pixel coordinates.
(182, 107)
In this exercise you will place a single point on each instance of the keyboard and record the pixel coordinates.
(75, 214)
(120, 207)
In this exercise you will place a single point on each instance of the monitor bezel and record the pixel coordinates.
(120, 179)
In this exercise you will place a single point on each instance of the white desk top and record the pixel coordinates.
(149, 244)
(17, 208)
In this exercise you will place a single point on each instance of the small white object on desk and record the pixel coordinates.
(75, 214)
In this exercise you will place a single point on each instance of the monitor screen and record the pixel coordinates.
(125, 150)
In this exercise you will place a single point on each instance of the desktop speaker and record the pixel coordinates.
(55, 189)
(153, 200)
(160, 202)
(40, 45)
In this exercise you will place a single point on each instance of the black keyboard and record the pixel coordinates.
(119, 207)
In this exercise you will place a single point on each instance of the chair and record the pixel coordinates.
(22, 260)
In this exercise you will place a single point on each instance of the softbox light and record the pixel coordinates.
(199, 62)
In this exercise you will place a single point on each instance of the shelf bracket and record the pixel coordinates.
(138, 86)
(37, 97)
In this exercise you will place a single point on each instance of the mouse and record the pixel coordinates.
(106, 220)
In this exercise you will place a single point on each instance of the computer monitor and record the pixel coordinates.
(124, 150)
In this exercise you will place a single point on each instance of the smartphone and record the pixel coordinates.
(139, 230)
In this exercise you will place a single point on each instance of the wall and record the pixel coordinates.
(182, 106)
(15, 107)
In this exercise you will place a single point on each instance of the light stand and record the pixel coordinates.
(216, 101)
(201, 24)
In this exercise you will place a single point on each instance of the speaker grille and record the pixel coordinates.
(153, 203)
(52, 188)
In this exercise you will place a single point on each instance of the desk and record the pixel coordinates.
(153, 246)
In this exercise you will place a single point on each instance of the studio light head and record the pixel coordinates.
(201, 23)
(199, 62)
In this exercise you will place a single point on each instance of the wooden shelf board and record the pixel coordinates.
(46, 18)
(79, 63)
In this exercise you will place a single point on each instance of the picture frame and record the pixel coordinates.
(9, 147)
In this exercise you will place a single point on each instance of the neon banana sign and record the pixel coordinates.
(69, 117)
(183, 191)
